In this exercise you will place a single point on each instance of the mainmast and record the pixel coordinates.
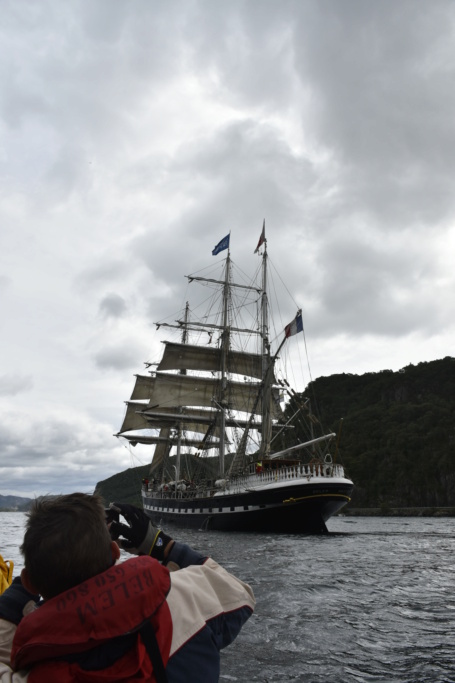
(225, 341)
(179, 424)
(267, 370)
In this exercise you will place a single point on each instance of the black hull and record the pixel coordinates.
(288, 509)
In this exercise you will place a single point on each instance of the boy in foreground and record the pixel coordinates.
(161, 616)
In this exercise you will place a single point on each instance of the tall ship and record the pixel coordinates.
(235, 447)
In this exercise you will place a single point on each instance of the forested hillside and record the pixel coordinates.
(398, 432)
(397, 440)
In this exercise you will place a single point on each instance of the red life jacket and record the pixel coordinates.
(112, 604)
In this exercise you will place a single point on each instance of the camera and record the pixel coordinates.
(111, 515)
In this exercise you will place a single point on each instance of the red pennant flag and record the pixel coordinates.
(261, 239)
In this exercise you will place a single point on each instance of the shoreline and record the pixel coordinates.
(367, 512)
(399, 512)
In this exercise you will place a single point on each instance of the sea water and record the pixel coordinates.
(371, 602)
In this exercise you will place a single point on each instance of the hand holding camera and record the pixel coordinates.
(139, 536)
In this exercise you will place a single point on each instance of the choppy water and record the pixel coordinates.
(374, 601)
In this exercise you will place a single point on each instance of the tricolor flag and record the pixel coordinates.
(295, 326)
(261, 239)
(224, 244)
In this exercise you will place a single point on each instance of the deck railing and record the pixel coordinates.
(292, 472)
(251, 481)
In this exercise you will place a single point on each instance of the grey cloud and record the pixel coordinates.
(244, 172)
(374, 289)
(53, 453)
(382, 103)
(37, 442)
(121, 357)
(36, 479)
(104, 22)
(246, 48)
(73, 78)
(13, 384)
(113, 305)
(106, 272)
(5, 282)
(67, 173)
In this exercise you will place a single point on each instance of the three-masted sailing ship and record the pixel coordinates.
(226, 453)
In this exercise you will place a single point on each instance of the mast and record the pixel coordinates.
(179, 424)
(224, 352)
(266, 374)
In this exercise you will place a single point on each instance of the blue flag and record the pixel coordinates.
(224, 244)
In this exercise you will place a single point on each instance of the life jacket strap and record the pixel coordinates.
(151, 644)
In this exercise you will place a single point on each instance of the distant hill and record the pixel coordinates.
(397, 440)
(14, 503)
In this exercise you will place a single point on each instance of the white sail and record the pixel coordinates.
(133, 420)
(165, 390)
(138, 417)
(207, 358)
(142, 388)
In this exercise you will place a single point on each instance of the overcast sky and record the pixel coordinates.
(135, 134)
